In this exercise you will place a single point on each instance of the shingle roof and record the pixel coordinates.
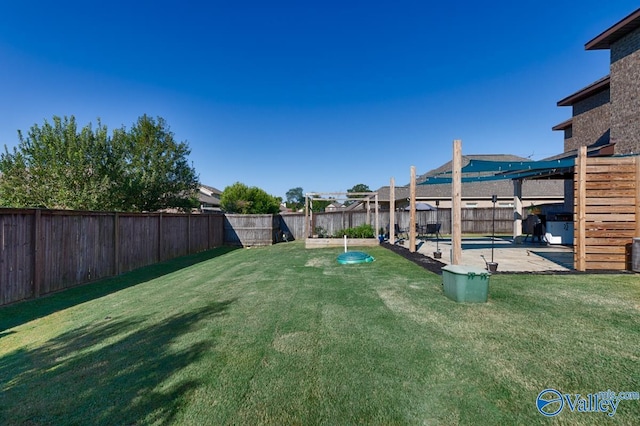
(502, 188)
(537, 188)
(211, 189)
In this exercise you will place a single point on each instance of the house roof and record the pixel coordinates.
(210, 189)
(615, 33)
(503, 188)
(209, 195)
(547, 188)
(586, 92)
(564, 125)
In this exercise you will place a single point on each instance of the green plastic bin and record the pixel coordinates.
(466, 283)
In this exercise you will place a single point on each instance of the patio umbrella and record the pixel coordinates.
(422, 207)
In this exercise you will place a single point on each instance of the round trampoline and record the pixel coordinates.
(352, 257)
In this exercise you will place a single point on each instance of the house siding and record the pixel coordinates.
(625, 92)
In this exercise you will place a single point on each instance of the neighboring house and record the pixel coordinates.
(334, 207)
(209, 198)
(606, 114)
(477, 194)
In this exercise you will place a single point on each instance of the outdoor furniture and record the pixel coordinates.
(429, 229)
(534, 228)
(401, 234)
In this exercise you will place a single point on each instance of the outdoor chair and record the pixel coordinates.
(401, 234)
(433, 229)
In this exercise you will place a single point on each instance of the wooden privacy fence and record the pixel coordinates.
(474, 221)
(607, 206)
(44, 251)
(250, 229)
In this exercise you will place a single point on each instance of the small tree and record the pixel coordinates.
(240, 198)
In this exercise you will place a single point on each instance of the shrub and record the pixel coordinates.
(362, 231)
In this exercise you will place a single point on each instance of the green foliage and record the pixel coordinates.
(295, 198)
(318, 206)
(362, 231)
(240, 198)
(320, 232)
(360, 187)
(57, 166)
(153, 167)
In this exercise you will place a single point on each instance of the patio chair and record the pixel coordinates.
(433, 229)
(401, 234)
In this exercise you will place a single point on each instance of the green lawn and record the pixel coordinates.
(284, 335)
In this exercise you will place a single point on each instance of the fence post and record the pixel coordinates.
(160, 238)
(116, 244)
(37, 253)
(189, 233)
(209, 232)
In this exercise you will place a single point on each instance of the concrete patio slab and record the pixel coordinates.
(524, 257)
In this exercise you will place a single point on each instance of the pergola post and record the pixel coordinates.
(581, 195)
(456, 209)
(517, 210)
(392, 211)
(412, 211)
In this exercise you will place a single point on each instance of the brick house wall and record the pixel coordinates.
(591, 121)
(625, 93)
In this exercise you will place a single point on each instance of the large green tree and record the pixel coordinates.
(295, 198)
(360, 187)
(57, 166)
(240, 198)
(152, 168)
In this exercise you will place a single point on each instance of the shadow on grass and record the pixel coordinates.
(22, 312)
(115, 371)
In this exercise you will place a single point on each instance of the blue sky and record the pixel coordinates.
(317, 94)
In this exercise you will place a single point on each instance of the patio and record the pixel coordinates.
(524, 257)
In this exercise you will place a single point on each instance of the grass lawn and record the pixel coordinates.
(284, 335)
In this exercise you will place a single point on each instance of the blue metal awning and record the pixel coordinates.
(502, 170)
